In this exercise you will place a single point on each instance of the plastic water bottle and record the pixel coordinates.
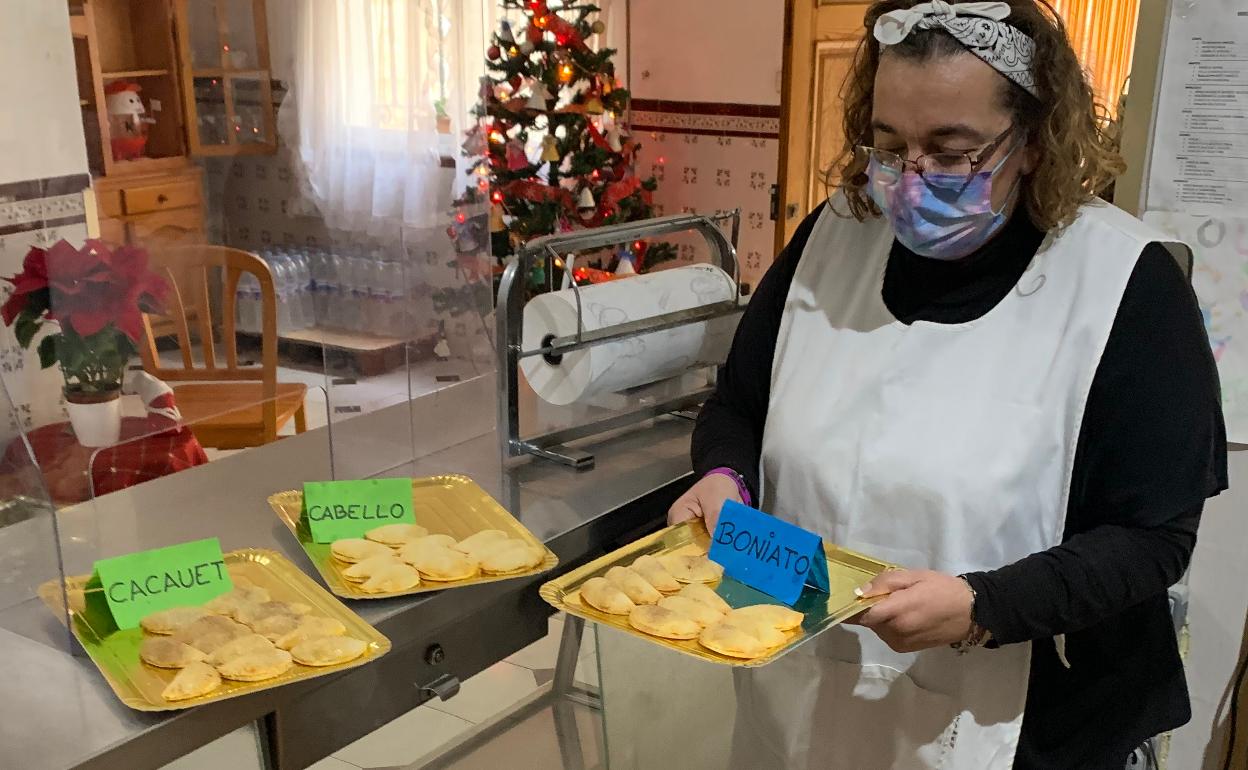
(394, 300)
(247, 304)
(318, 285)
(336, 291)
(282, 282)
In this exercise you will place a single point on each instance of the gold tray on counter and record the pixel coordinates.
(448, 505)
(139, 686)
(846, 571)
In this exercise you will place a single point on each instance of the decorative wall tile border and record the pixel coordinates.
(37, 204)
(759, 121)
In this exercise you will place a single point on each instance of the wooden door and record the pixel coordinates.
(821, 37)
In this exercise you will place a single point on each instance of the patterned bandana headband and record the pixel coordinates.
(979, 27)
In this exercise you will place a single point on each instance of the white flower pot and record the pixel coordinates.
(97, 423)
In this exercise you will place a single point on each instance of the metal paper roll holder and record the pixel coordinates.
(552, 249)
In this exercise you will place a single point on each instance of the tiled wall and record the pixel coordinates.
(254, 202)
(714, 157)
(38, 212)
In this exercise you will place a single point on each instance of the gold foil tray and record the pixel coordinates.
(449, 505)
(846, 571)
(139, 685)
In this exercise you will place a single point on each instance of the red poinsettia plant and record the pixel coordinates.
(95, 296)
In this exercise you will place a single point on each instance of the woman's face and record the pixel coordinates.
(949, 104)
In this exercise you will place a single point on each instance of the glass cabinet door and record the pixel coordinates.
(224, 49)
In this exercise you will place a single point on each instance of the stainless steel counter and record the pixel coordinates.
(58, 712)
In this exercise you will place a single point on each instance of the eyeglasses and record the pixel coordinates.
(967, 163)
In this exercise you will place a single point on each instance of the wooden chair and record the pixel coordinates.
(234, 406)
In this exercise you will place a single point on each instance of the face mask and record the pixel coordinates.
(940, 216)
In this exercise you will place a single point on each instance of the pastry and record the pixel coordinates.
(361, 571)
(656, 574)
(274, 627)
(243, 645)
(727, 639)
(310, 628)
(774, 615)
(601, 594)
(706, 595)
(692, 568)
(328, 650)
(767, 635)
(256, 666)
(511, 556)
(228, 603)
(356, 549)
(195, 680)
(664, 623)
(395, 535)
(634, 585)
(250, 614)
(690, 608)
(391, 578)
(482, 542)
(440, 563)
(163, 652)
(439, 539)
(209, 633)
(168, 621)
(431, 544)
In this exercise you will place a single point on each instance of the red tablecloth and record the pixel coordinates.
(150, 447)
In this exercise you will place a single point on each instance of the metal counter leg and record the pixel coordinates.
(564, 694)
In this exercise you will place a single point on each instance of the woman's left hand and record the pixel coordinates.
(922, 609)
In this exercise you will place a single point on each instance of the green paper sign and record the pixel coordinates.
(138, 584)
(335, 510)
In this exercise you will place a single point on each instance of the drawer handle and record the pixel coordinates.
(444, 687)
(162, 198)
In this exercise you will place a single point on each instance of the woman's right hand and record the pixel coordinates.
(704, 499)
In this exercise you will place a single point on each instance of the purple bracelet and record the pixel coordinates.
(742, 489)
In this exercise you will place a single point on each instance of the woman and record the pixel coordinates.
(967, 365)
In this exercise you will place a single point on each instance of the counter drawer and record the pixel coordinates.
(180, 225)
(162, 197)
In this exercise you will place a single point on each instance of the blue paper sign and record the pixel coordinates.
(775, 557)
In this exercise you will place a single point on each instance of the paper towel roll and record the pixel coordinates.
(629, 363)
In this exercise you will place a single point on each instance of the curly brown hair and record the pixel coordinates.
(1076, 152)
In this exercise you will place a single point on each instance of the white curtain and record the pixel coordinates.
(360, 115)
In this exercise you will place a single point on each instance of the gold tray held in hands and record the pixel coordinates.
(846, 571)
(139, 686)
(449, 505)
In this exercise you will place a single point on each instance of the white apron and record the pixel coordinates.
(932, 446)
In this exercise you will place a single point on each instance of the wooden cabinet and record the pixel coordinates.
(226, 84)
(201, 71)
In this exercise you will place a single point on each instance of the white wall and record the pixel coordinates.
(707, 50)
(40, 125)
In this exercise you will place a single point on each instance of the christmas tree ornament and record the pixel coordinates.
(566, 72)
(625, 265)
(505, 34)
(550, 149)
(497, 137)
(475, 143)
(517, 160)
(513, 52)
(594, 106)
(536, 102)
(586, 201)
(542, 21)
(599, 27)
(613, 139)
(494, 52)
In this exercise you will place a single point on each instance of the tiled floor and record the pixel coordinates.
(424, 735)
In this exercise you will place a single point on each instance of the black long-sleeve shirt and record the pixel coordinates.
(1151, 449)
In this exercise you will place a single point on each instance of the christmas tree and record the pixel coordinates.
(551, 149)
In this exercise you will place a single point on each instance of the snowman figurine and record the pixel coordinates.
(127, 119)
